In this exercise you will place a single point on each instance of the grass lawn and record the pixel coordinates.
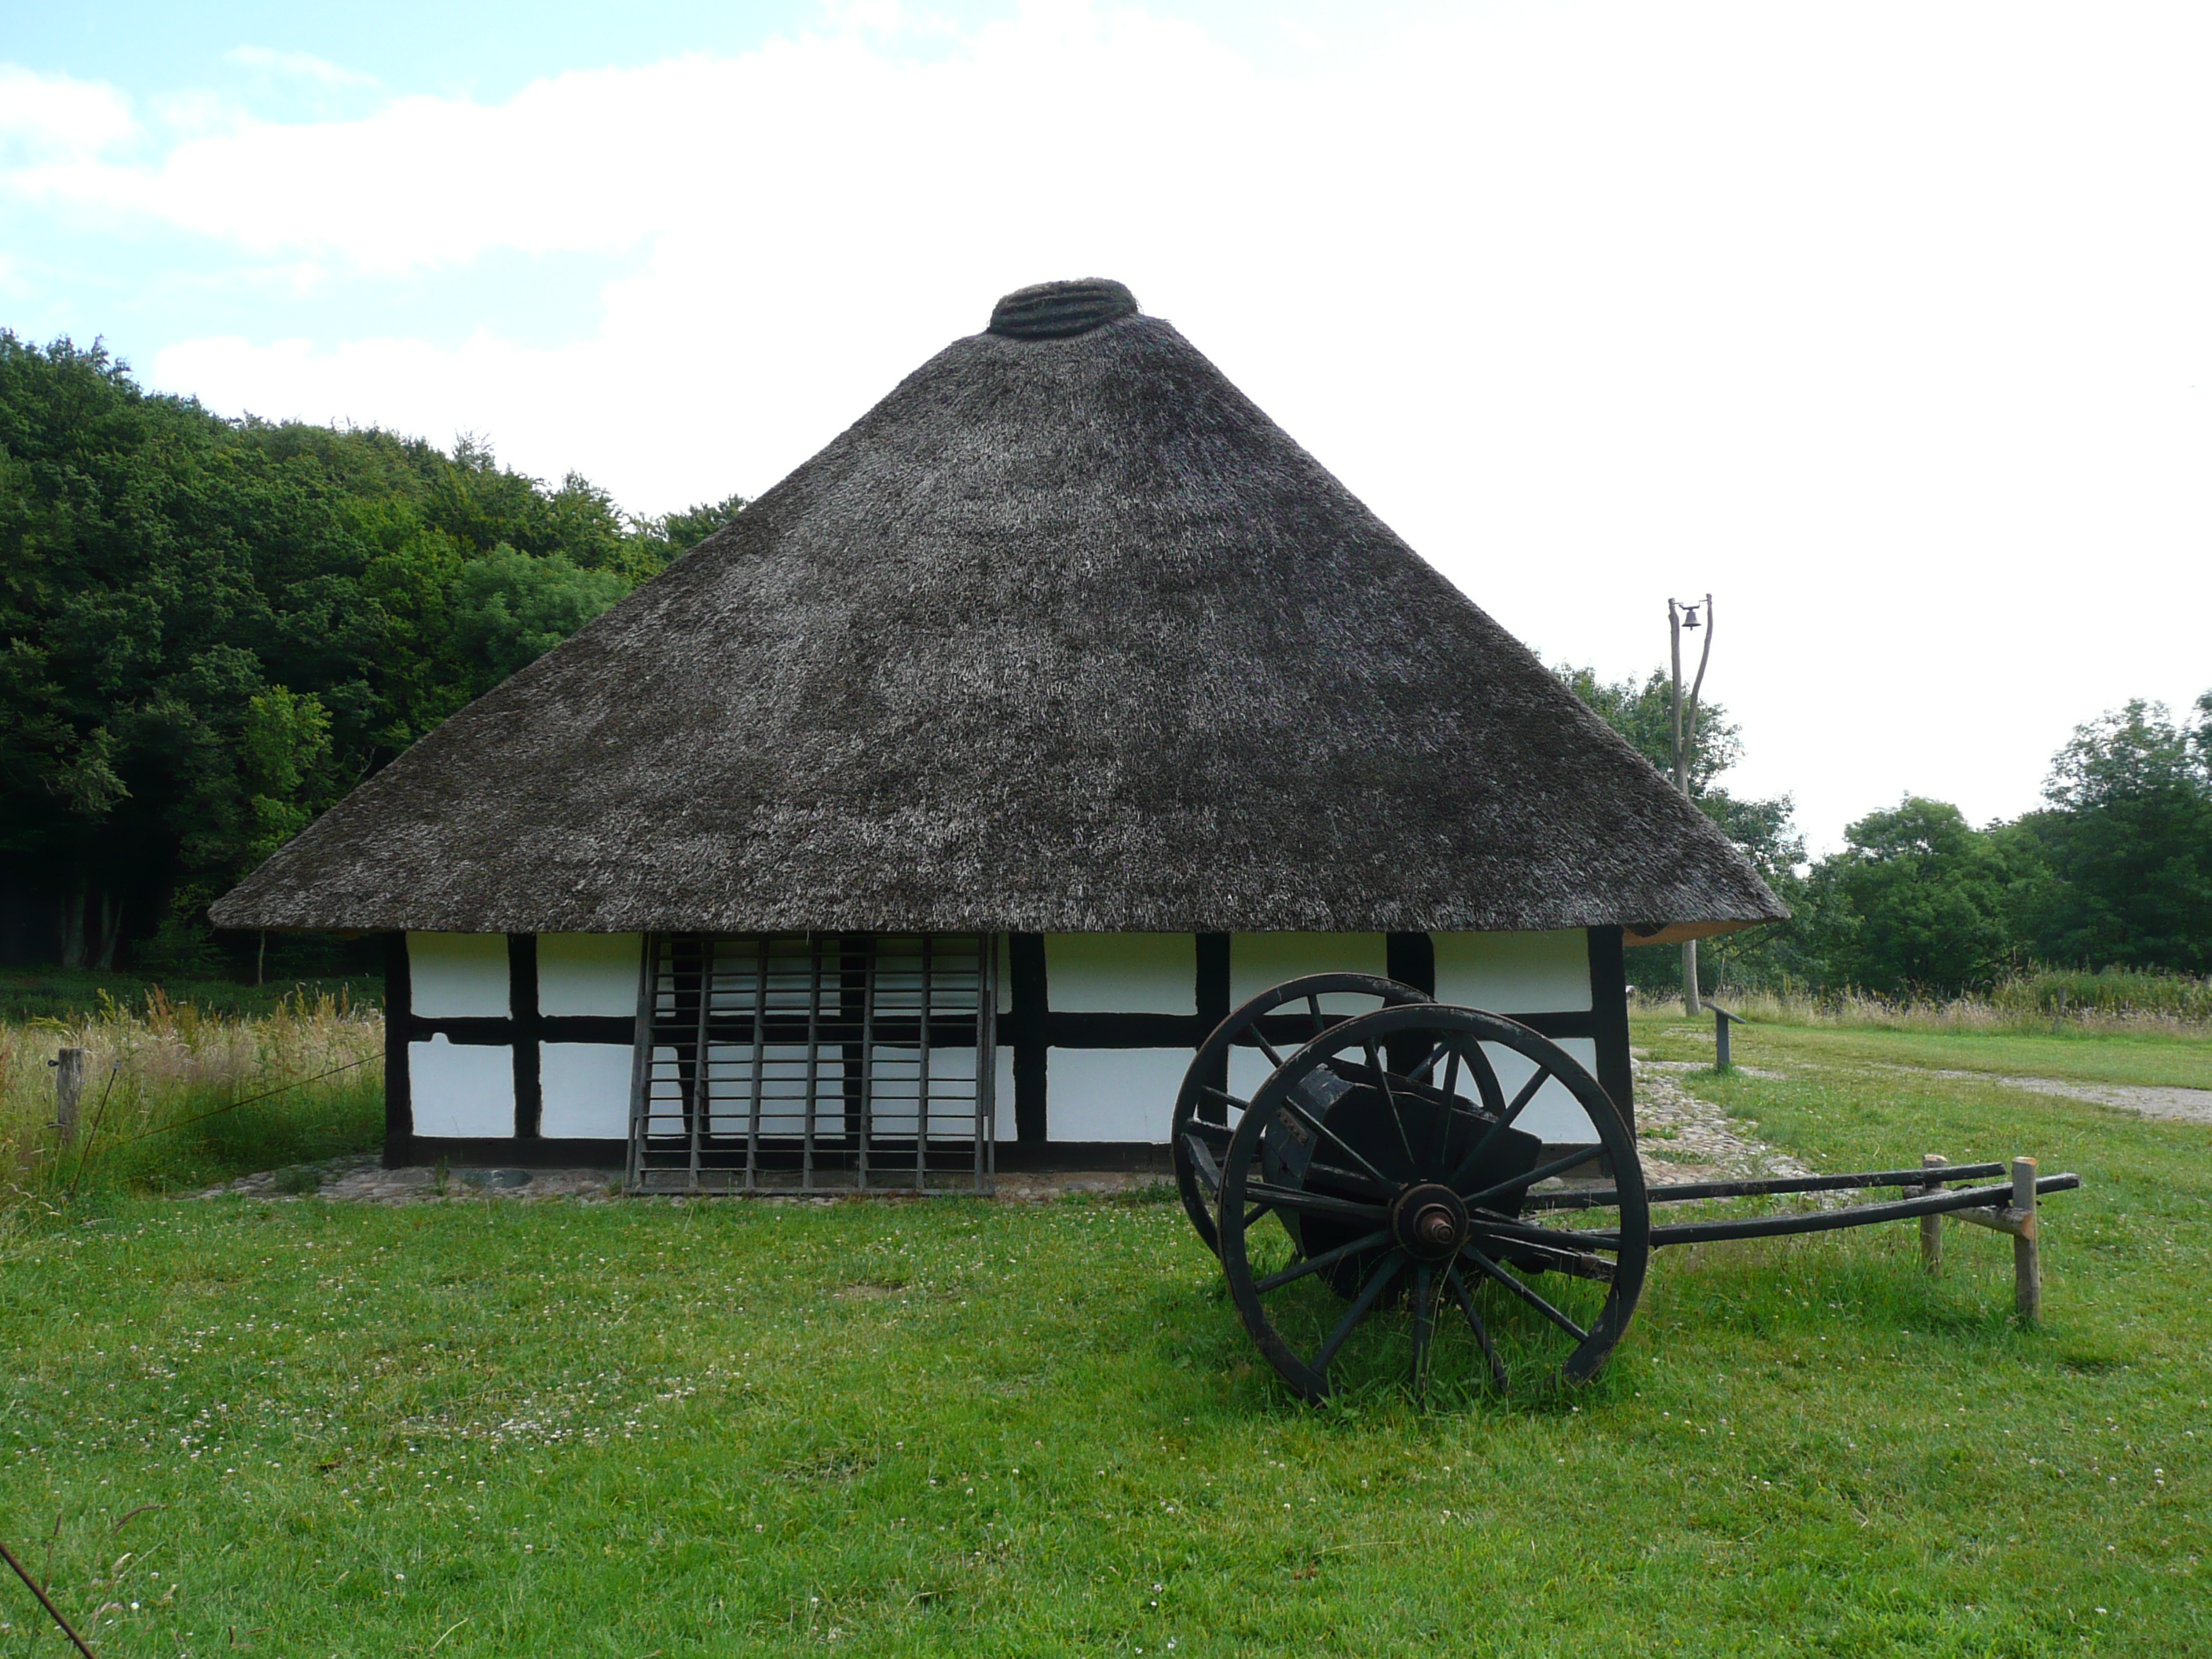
(631, 1428)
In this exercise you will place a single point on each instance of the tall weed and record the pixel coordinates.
(2115, 1002)
(175, 1096)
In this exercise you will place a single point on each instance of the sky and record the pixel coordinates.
(1886, 325)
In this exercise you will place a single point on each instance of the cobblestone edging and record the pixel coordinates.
(1682, 1138)
(363, 1180)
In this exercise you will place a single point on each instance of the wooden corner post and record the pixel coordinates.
(2027, 1258)
(2016, 1218)
(70, 1065)
(1931, 1226)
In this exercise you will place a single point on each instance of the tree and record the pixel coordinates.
(1643, 712)
(2127, 838)
(677, 534)
(509, 610)
(211, 628)
(1919, 900)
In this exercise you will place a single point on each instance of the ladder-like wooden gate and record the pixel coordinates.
(815, 1062)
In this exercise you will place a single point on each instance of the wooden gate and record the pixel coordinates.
(815, 1062)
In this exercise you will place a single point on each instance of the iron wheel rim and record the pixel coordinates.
(1199, 1091)
(1491, 1268)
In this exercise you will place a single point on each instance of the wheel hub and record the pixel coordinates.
(1429, 1222)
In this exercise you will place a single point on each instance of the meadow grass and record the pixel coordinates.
(2070, 1052)
(2118, 1002)
(637, 1427)
(179, 1095)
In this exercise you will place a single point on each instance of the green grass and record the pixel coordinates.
(727, 1427)
(2069, 1052)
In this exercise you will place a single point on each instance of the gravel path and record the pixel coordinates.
(2181, 1105)
(1682, 1138)
(364, 1180)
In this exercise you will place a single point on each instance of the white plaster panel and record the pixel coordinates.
(1554, 1115)
(461, 1088)
(1257, 961)
(457, 975)
(1112, 1093)
(584, 974)
(1004, 1104)
(583, 1091)
(1121, 973)
(1514, 973)
(1247, 1070)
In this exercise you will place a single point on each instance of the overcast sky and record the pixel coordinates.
(1885, 324)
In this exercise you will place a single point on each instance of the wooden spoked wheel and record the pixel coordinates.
(1398, 1188)
(1208, 1110)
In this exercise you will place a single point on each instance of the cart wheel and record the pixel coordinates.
(1206, 1110)
(1398, 1195)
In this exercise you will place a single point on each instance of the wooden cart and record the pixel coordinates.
(1376, 1189)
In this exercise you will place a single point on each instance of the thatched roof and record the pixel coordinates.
(1063, 634)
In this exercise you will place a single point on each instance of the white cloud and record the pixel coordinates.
(301, 65)
(1884, 324)
(53, 117)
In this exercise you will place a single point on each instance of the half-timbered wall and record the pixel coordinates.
(1123, 1006)
(515, 1047)
(520, 1048)
(1096, 1029)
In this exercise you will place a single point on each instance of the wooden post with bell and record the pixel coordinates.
(1679, 618)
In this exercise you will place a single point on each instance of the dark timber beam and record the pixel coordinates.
(399, 1106)
(522, 1012)
(1025, 982)
(1608, 978)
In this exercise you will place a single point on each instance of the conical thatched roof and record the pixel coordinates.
(1063, 634)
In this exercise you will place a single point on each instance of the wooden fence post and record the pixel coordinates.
(1931, 1226)
(70, 1065)
(2027, 1260)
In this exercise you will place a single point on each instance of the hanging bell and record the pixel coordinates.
(1689, 616)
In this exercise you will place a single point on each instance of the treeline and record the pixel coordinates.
(2113, 872)
(210, 629)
